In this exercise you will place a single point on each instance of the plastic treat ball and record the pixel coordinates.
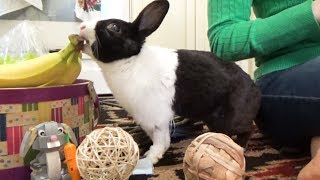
(107, 153)
(214, 156)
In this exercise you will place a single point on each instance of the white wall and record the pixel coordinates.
(119, 9)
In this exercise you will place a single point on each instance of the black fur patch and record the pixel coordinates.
(201, 84)
(218, 92)
(117, 39)
(113, 45)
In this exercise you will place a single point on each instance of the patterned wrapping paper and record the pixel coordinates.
(16, 119)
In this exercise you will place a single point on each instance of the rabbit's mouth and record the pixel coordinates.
(84, 39)
(86, 44)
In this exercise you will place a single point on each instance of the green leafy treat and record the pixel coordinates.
(12, 60)
(30, 55)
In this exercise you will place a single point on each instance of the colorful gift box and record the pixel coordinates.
(21, 108)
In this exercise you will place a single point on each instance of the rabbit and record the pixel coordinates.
(153, 84)
(48, 138)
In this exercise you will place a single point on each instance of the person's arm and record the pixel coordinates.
(316, 9)
(233, 36)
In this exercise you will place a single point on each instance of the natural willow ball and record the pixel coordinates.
(107, 153)
(214, 156)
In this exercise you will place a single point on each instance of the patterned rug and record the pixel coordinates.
(263, 160)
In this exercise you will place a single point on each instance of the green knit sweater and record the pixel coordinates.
(284, 34)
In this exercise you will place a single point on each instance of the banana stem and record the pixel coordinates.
(71, 47)
(65, 53)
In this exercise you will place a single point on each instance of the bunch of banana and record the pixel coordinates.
(59, 68)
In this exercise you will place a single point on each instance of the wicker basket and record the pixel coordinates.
(20, 108)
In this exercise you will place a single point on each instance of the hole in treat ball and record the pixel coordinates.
(97, 166)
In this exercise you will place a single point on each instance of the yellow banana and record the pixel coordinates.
(59, 68)
(73, 69)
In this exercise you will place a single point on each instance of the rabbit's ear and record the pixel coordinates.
(28, 140)
(151, 17)
(68, 130)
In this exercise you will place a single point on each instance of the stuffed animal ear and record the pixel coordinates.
(70, 133)
(28, 140)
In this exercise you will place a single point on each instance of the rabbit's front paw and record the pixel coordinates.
(154, 154)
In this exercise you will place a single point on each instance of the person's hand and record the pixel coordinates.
(316, 9)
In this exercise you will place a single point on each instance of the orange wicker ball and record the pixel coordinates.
(214, 156)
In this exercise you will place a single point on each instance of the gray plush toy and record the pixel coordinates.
(48, 138)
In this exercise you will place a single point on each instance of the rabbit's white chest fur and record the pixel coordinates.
(144, 84)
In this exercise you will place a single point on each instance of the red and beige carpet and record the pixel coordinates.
(263, 160)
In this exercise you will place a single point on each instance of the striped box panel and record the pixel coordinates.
(3, 148)
(56, 114)
(74, 101)
(10, 108)
(44, 112)
(76, 121)
(10, 161)
(30, 118)
(84, 129)
(80, 105)
(14, 119)
(60, 103)
(14, 138)
(30, 107)
(91, 114)
(86, 112)
(17, 160)
(76, 133)
(22, 119)
(67, 115)
(3, 126)
(69, 111)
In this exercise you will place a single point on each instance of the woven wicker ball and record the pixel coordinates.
(214, 156)
(107, 153)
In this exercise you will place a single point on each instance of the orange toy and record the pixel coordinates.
(70, 151)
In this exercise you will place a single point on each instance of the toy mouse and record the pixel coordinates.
(154, 83)
(48, 138)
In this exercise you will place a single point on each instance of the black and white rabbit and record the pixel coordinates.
(153, 84)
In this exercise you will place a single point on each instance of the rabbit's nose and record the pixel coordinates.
(82, 26)
(53, 138)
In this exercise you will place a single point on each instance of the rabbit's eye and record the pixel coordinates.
(60, 130)
(113, 27)
(41, 133)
